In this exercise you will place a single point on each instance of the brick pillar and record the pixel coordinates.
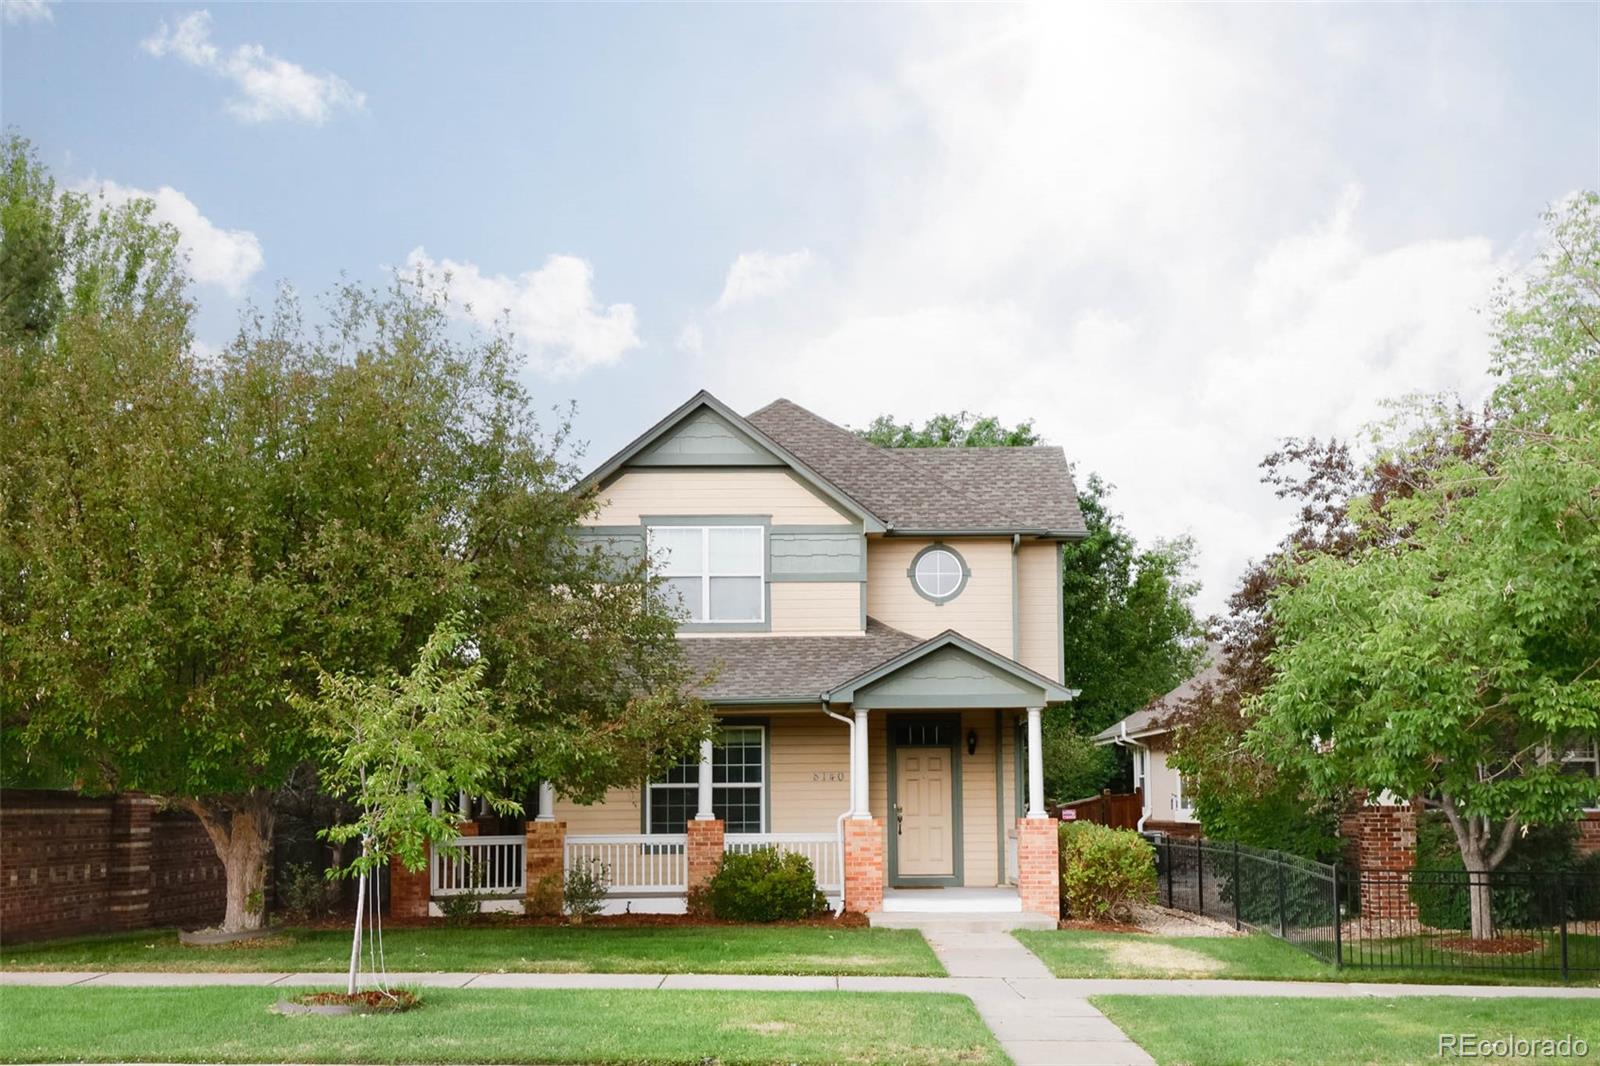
(468, 829)
(408, 889)
(544, 854)
(1588, 842)
(1039, 866)
(128, 895)
(705, 850)
(1382, 845)
(863, 865)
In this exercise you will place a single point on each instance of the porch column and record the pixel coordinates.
(703, 811)
(547, 802)
(1036, 763)
(860, 792)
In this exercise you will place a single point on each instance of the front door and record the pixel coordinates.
(926, 828)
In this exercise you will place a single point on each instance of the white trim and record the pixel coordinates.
(703, 780)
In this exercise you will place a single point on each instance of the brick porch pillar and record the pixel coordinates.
(544, 853)
(1039, 866)
(128, 879)
(408, 889)
(863, 865)
(1382, 844)
(705, 849)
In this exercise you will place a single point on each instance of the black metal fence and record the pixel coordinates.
(1543, 924)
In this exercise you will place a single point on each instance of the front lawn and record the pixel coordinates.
(462, 1026)
(1079, 953)
(1243, 1030)
(799, 949)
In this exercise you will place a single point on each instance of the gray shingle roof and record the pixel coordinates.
(933, 489)
(790, 668)
(1150, 717)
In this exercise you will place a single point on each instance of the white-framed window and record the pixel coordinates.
(1180, 802)
(1139, 768)
(713, 573)
(1583, 759)
(738, 785)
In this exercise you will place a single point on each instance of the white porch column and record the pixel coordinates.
(547, 802)
(860, 792)
(704, 813)
(1036, 763)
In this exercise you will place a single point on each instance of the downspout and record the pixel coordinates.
(838, 825)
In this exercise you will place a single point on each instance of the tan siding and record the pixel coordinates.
(1161, 786)
(713, 492)
(816, 607)
(979, 830)
(1039, 607)
(618, 813)
(810, 762)
(983, 610)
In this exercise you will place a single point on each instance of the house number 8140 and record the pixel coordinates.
(830, 775)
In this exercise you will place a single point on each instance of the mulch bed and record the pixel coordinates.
(848, 920)
(1501, 945)
(367, 1001)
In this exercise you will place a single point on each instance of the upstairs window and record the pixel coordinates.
(713, 573)
(938, 573)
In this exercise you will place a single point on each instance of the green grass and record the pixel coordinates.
(456, 1026)
(1244, 1031)
(513, 949)
(1079, 953)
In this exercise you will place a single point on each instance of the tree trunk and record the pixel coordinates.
(1478, 900)
(240, 828)
(1475, 835)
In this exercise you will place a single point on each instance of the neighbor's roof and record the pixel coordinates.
(1151, 718)
(936, 490)
(782, 669)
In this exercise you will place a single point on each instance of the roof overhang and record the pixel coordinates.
(870, 522)
(948, 672)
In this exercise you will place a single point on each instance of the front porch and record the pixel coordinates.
(917, 786)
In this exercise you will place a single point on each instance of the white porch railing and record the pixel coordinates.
(821, 848)
(491, 866)
(636, 863)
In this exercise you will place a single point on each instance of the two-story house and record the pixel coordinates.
(885, 628)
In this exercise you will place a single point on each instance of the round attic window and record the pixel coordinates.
(938, 573)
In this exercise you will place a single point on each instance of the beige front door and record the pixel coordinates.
(926, 829)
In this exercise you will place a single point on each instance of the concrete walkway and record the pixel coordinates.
(1040, 1020)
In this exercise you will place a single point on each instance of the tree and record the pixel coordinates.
(1130, 632)
(1453, 653)
(393, 742)
(188, 542)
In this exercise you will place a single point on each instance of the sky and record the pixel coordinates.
(1169, 235)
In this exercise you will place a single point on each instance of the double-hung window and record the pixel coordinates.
(1180, 802)
(1583, 759)
(713, 573)
(738, 785)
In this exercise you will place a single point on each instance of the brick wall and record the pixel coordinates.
(1039, 866)
(863, 865)
(704, 844)
(1182, 830)
(71, 865)
(1381, 842)
(1588, 842)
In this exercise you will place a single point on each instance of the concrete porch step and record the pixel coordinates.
(959, 922)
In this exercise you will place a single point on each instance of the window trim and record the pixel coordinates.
(706, 522)
(911, 573)
(1591, 759)
(1178, 801)
(762, 724)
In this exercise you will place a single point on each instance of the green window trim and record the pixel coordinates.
(939, 546)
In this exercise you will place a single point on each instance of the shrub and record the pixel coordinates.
(1105, 871)
(765, 885)
(304, 893)
(460, 910)
(1439, 888)
(584, 892)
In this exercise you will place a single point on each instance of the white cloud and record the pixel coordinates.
(269, 87)
(557, 321)
(757, 274)
(227, 258)
(19, 11)
(1128, 224)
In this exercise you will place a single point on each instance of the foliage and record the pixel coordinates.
(961, 430)
(185, 541)
(1105, 871)
(1453, 652)
(460, 909)
(392, 742)
(1074, 765)
(584, 892)
(766, 885)
(1524, 902)
(544, 898)
(1281, 820)
(303, 893)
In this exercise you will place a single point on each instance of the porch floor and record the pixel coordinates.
(1003, 900)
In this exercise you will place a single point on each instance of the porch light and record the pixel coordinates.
(972, 742)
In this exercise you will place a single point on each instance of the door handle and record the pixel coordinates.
(899, 819)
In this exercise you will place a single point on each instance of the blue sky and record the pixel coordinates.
(1170, 235)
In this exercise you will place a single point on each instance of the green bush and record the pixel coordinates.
(584, 892)
(765, 885)
(460, 910)
(1105, 871)
(1521, 903)
(305, 893)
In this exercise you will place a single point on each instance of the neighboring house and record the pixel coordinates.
(1167, 808)
(886, 627)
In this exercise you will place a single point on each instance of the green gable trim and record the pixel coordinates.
(705, 438)
(964, 674)
(703, 400)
